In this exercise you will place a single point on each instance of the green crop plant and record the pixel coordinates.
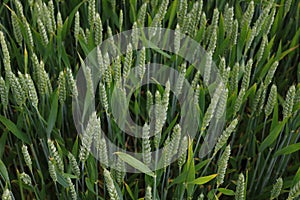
(255, 46)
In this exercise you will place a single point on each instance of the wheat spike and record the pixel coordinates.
(294, 191)
(222, 165)
(271, 100)
(110, 185)
(146, 145)
(289, 102)
(74, 164)
(27, 157)
(239, 192)
(55, 155)
(276, 188)
(72, 189)
(26, 179)
(7, 194)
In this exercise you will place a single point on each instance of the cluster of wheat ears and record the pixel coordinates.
(255, 45)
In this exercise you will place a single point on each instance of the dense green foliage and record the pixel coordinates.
(255, 45)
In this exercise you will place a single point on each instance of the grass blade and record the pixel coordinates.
(135, 163)
(14, 129)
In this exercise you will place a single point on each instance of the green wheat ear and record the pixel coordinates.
(51, 13)
(142, 15)
(19, 7)
(182, 11)
(119, 173)
(121, 19)
(53, 152)
(23, 83)
(196, 80)
(16, 28)
(276, 188)
(52, 171)
(103, 96)
(271, 100)
(27, 157)
(77, 28)
(180, 80)
(43, 32)
(269, 22)
(262, 47)
(201, 196)
(107, 72)
(248, 15)
(3, 93)
(148, 194)
(270, 74)
(149, 103)
(71, 83)
(225, 135)
(26, 178)
(110, 185)
(287, 6)
(262, 18)
(74, 164)
(117, 70)
(98, 28)
(240, 188)
(207, 70)
(72, 188)
(239, 100)
(228, 19)
(297, 97)
(17, 90)
(5, 52)
(87, 138)
(203, 23)
(175, 138)
(262, 101)
(62, 87)
(193, 17)
(289, 102)
(234, 34)
(28, 33)
(158, 119)
(247, 74)
(294, 192)
(222, 165)
(212, 28)
(182, 152)
(212, 107)
(212, 34)
(103, 152)
(31, 91)
(146, 145)
(141, 65)
(250, 39)
(91, 12)
(160, 14)
(128, 61)
(221, 106)
(47, 20)
(7, 194)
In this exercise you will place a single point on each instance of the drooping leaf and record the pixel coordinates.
(135, 163)
(288, 150)
(203, 180)
(14, 129)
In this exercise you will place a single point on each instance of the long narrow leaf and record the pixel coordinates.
(135, 163)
